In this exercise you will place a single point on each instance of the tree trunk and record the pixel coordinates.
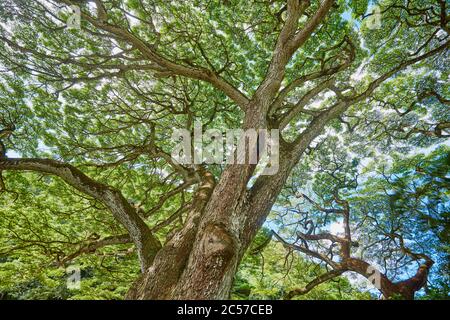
(200, 261)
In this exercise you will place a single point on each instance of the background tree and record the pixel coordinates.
(267, 272)
(95, 106)
(383, 225)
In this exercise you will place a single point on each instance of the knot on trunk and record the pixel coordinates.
(218, 245)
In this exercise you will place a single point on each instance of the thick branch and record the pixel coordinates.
(172, 67)
(146, 243)
(95, 245)
(289, 40)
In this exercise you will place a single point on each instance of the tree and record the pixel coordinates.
(94, 106)
(385, 223)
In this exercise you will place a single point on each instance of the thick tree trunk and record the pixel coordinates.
(199, 262)
(161, 280)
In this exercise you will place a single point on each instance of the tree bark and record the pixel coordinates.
(392, 290)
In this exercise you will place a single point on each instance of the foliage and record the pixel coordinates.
(273, 272)
(354, 104)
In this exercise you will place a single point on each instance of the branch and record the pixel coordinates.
(319, 207)
(288, 42)
(303, 35)
(94, 245)
(321, 236)
(166, 196)
(306, 251)
(300, 105)
(146, 243)
(317, 281)
(407, 251)
(319, 122)
(316, 75)
(376, 83)
(198, 73)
